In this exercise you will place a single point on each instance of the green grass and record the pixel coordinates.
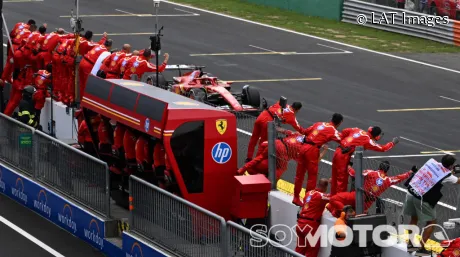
(344, 32)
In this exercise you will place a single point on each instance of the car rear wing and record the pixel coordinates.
(184, 67)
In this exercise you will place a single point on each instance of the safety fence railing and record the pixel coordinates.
(67, 170)
(190, 230)
(391, 201)
(401, 21)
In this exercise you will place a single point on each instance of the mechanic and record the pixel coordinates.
(375, 183)
(8, 69)
(59, 68)
(104, 136)
(19, 58)
(49, 44)
(144, 154)
(424, 192)
(42, 81)
(88, 62)
(352, 138)
(286, 150)
(31, 45)
(260, 130)
(314, 138)
(86, 42)
(18, 85)
(309, 218)
(122, 63)
(160, 163)
(109, 65)
(141, 64)
(117, 148)
(129, 144)
(68, 62)
(99, 62)
(26, 112)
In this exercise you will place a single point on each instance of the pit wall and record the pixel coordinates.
(69, 216)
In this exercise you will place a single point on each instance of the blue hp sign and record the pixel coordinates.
(221, 152)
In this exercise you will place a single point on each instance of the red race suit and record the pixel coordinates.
(260, 130)
(308, 222)
(87, 64)
(139, 66)
(49, 44)
(375, 183)
(42, 80)
(111, 63)
(316, 136)
(16, 92)
(352, 138)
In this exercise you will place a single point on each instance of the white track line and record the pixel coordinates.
(450, 99)
(30, 237)
(335, 48)
(315, 37)
(413, 141)
(196, 14)
(403, 156)
(268, 50)
(118, 10)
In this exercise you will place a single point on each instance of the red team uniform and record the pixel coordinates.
(286, 115)
(309, 220)
(375, 183)
(317, 135)
(352, 138)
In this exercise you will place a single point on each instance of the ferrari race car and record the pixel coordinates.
(205, 87)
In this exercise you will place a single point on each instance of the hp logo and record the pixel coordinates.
(221, 152)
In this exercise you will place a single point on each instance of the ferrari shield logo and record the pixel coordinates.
(221, 126)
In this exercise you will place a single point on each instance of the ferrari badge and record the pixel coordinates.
(221, 126)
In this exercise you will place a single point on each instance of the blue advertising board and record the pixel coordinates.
(69, 216)
(135, 247)
(53, 207)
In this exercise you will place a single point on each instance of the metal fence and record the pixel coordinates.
(71, 172)
(189, 230)
(391, 201)
(405, 22)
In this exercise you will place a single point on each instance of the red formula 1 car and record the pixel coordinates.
(204, 87)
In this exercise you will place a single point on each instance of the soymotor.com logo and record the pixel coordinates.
(65, 218)
(92, 233)
(327, 236)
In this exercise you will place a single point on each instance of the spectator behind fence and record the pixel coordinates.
(424, 192)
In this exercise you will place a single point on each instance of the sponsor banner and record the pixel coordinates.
(134, 247)
(53, 207)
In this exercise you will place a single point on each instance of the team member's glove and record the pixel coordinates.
(395, 140)
(248, 160)
(414, 169)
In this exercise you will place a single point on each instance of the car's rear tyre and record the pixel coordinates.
(161, 81)
(250, 96)
(197, 94)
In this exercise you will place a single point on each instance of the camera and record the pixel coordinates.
(456, 169)
(156, 3)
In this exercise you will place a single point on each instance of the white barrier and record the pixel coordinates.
(283, 212)
(65, 130)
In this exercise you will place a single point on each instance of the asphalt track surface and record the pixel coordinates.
(14, 243)
(357, 83)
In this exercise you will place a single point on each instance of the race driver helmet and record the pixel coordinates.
(375, 132)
